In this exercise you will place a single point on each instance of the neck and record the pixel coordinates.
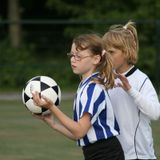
(88, 75)
(123, 69)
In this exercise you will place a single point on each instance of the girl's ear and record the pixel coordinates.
(97, 59)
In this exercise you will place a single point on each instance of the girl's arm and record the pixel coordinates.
(146, 100)
(51, 122)
(77, 130)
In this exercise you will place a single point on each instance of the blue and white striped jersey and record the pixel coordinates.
(93, 99)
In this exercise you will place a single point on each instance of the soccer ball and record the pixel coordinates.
(45, 86)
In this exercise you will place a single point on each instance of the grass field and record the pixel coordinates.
(22, 137)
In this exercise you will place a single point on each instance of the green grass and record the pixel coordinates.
(22, 137)
(156, 137)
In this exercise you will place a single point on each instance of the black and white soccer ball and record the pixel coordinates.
(45, 86)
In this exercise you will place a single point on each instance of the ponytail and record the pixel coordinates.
(105, 69)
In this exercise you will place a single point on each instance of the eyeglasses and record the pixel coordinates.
(76, 57)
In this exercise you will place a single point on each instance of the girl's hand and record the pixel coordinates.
(125, 84)
(41, 101)
(48, 118)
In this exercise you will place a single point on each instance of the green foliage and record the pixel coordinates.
(72, 18)
(10, 63)
(105, 10)
(18, 65)
(12, 55)
(147, 59)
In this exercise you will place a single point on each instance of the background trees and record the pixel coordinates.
(35, 35)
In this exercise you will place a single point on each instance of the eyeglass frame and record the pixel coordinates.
(70, 55)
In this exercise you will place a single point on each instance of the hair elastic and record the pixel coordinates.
(125, 27)
(103, 52)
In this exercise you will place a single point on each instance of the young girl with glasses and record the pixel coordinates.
(94, 126)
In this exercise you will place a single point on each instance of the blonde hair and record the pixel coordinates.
(124, 38)
(94, 43)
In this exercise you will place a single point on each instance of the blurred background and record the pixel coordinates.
(35, 37)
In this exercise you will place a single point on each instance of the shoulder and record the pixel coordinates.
(139, 74)
(96, 86)
(140, 79)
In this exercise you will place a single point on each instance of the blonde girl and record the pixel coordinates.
(134, 99)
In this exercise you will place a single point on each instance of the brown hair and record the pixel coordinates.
(94, 43)
(124, 38)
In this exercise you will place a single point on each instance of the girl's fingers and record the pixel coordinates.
(41, 101)
(44, 98)
(37, 100)
(121, 77)
(47, 100)
(125, 83)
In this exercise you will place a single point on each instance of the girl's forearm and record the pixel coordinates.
(76, 129)
(64, 131)
(66, 121)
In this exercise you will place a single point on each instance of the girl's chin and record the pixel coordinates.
(75, 72)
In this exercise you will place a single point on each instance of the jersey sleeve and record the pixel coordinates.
(93, 101)
(147, 100)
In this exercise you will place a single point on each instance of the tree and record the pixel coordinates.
(15, 25)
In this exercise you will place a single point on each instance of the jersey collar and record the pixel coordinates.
(130, 71)
(85, 81)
